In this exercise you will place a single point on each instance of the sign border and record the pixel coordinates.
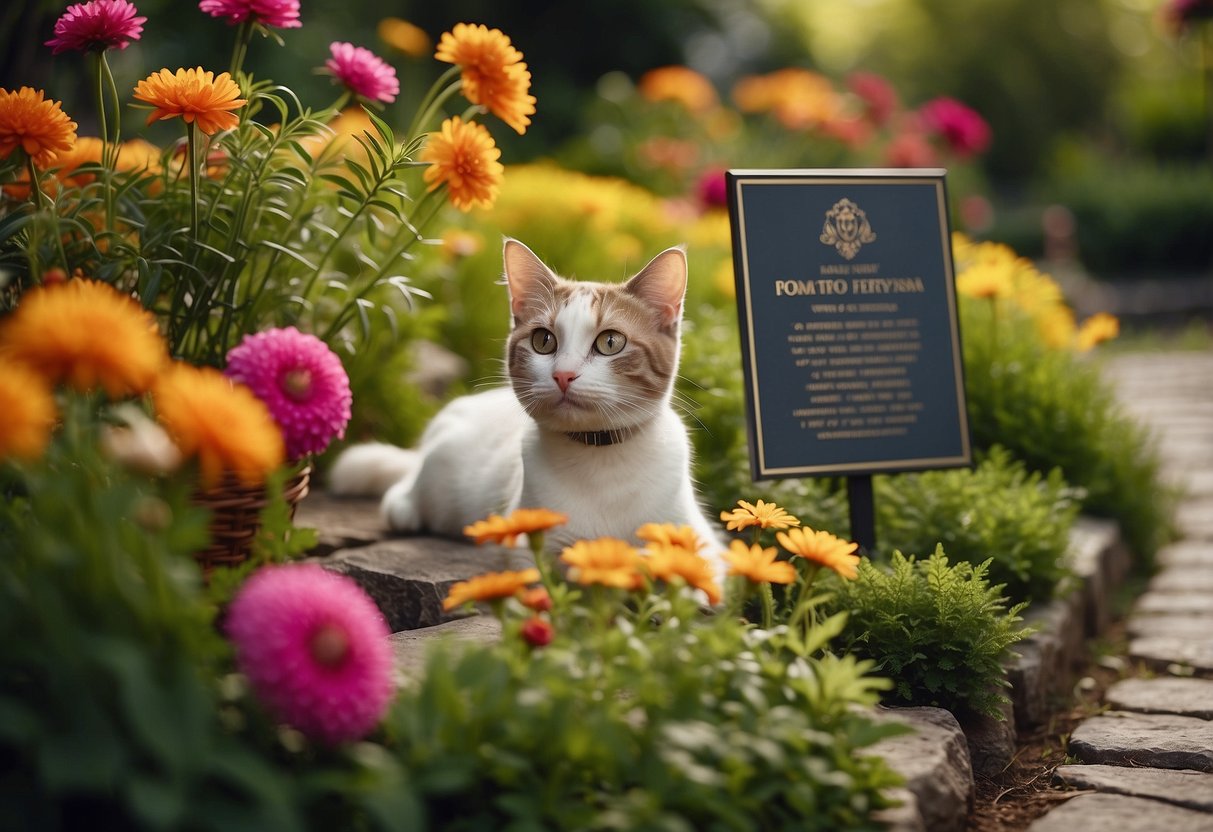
(734, 180)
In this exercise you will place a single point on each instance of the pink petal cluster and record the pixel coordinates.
(96, 26)
(711, 189)
(877, 94)
(281, 14)
(362, 72)
(315, 649)
(301, 381)
(965, 131)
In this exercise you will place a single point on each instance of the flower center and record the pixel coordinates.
(297, 384)
(329, 645)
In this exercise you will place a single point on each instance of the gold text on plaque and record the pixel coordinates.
(846, 228)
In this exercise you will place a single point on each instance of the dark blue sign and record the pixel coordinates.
(847, 307)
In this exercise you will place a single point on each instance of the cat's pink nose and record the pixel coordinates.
(563, 380)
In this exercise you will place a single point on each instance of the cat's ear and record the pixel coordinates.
(662, 284)
(526, 275)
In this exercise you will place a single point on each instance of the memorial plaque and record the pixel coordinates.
(847, 308)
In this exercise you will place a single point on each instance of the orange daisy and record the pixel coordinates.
(195, 95)
(88, 334)
(35, 125)
(492, 71)
(669, 534)
(1096, 329)
(680, 84)
(507, 530)
(822, 548)
(222, 423)
(489, 587)
(27, 411)
(665, 561)
(464, 158)
(762, 514)
(607, 561)
(758, 565)
(404, 36)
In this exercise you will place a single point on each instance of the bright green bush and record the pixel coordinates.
(940, 631)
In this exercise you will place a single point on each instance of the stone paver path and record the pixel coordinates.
(1146, 763)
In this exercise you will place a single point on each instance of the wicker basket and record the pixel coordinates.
(236, 516)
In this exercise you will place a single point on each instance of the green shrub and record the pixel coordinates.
(940, 631)
(999, 512)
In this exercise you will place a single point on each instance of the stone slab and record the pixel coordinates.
(1043, 662)
(934, 760)
(1187, 578)
(1164, 695)
(340, 522)
(1187, 627)
(1174, 603)
(1194, 518)
(1165, 651)
(1190, 789)
(991, 740)
(1120, 813)
(1100, 562)
(1153, 740)
(410, 646)
(1186, 553)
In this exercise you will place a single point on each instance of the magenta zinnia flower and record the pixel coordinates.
(97, 25)
(283, 14)
(962, 128)
(300, 380)
(315, 648)
(362, 72)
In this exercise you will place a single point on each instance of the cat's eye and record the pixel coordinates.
(609, 342)
(543, 341)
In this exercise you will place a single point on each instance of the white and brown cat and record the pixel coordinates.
(586, 427)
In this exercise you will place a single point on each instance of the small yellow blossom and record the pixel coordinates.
(822, 548)
(489, 587)
(507, 530)
(606, 561)
(758, 564)
(666, 561)
(762, 514)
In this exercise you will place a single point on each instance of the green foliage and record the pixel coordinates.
(940, 631)
(1017, 521)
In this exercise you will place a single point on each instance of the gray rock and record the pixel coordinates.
(1100, 561)
(1166, 695)
(904, 817)
(1188, 628)
(1045, 660)
(1154, 740)
(1194, 518)
(1120, 813)
(1174, 603)
(934, 760)
(1187, 578)
(1191, 789)
(410, 646)
(340, 522)
(1164, 651)
(991, 740)
(1187, 553)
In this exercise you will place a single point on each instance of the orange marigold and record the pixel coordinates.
(761, 514)
(404, 36)
(680, 84)
(464, 158)
(665, 562)
(1096, 329)
(27, 411)
(758, 565)
(88, 334)
(607, 561)
(668, 533)
(822, 548)
(35, 125)
(492, 70)
(194, 95)
(507, 530)
(221, 423)
(489, 587)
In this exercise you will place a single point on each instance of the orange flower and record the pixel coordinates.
(607, 561)
(1096, 329)
(87, 334)
(464, 158)
(665, 561)
(669, 534)
(35, 125)
(489, 587)
(404, 36)
(764, 515)
(506, 530)
(537, 599)
(822, 548)
(195, 95)
(492, 70)
(222, 423)
(27, 411)
(758, 565)
(681, 84)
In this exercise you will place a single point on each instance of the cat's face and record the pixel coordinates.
(593, 356)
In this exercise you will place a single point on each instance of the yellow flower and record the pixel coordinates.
(681, 84)
(758, 565)
(464, 158)
(195, 95)
(489, 587)
(607, 561)
(1096, 329)
(35, 125)
(988, 280)
(27, 411)
(764, 515)
(666, 561)
(492, 70)
(457, 242)
(670, 535)
(404, 37)
(799, 98)
(506, 530)
(87, 334)
(822, 548)
(223, 424)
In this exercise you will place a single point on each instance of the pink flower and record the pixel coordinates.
(362, 72)
(300, 380)
(315, 648)
(283, 14)
(963, 129)
(97, 25)
(878, 96)
(711, 189)
(910, 149)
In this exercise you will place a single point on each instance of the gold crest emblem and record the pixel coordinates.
(846, 228)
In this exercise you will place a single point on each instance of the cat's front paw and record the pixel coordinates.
(399, 509)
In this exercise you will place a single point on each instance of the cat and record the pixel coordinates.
(586, 427)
